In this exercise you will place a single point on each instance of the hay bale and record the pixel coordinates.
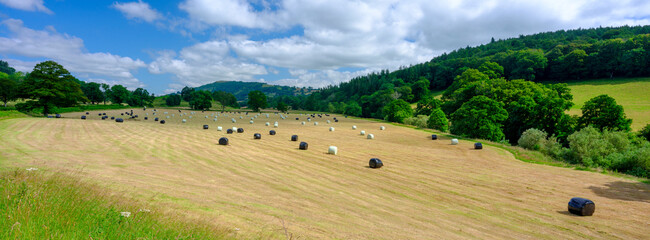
(272, 132)
(219, 128)
(184, 121)
(434, 137)
(229, 131)
(275, 125)
(257, 136)
(234, 129)
(104, 117)
(146, 118)
(336, 120)
(328, 122)
(240, 130)
(155, 119)
(303, 123)
(223, 141)
(112, 118)
(582, 206)
(162, 122)
(354, 127)
(267, 124)
(294, 138)
(297, 118)
(303, 146)
(205, 126)
(362, 133)
(478, 146)
(100, 114)
(251, 122)
(58, 115)
(233, 120)
(83, 117)
(454, 141)
(333, 150)
(370, 136)
(382, 128)
(119, 120)
(104, 114)
(375, 163)
(87, 113)
(331, 129)
(122, 114)
(315, 123)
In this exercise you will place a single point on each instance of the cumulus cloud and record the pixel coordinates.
(205, 63)
(68, 51)
(138, 10)
(318, 79)
(27, 5)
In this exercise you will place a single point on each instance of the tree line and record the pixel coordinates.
(50, 86)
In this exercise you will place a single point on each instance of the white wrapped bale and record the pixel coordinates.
(333, 150)
(184, 121)
(331, 129)
(370, 136)
(362, 133)
(219, 128)
(454, 141)
(382, 128)
(251, 122)
(354, 127)
(267, 124)
(303, 123)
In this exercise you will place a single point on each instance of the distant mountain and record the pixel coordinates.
(241, 89)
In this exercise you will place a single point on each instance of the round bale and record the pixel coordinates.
(58, 115)
(205, 126)
(434, 137)
(162, 121)
(229, 131)
(454, 141)
(382, 128)
(375, 163)
(119, 120)
(83, 117)
(294, 138)
(146, 118)
(267, 124)
(240, 130)
(362, 133)
(333, 150)
(155, 119)
(582, 206)
(354, 127)
(370, 136)
(303, 146)
(272, 132)
(219, 128)
(112, 118)
(223, 141)
(478, 146)
(331, 129)
(257, 136)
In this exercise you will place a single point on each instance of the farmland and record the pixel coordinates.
(262, 188)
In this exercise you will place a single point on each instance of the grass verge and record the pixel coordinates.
(8, 114)
(40, 205)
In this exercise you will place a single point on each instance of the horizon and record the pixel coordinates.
(163, 46)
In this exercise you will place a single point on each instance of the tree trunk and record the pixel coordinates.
(46, 109)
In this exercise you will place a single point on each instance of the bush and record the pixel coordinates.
(438, 120)
(533, 139)
(397, 111)
(589, 147)
(420, 121)
(645, 132)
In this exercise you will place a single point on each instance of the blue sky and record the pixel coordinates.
(165, 45)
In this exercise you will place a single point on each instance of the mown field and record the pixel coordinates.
(631, 93)
(269, 188)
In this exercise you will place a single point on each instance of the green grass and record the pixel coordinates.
(40, 205)
(631, 93)
(8, 114)
(160, 102)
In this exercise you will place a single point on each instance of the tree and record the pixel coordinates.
(353, 109)
(107, 92)
(8, 88)
(92, 92)
(5, 68)
(186, 93)
(173, 100)
(645, 132)
(257, 100)
(480, 117)
(200, 100)
(140, 97)
(225, 98)
(420, 88)
(282, 107)
(603, 113)
(397, 111)
(426, 105)
(50, 85)
(438, 120)
(119, 94)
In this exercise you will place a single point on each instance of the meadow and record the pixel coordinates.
(268, 188)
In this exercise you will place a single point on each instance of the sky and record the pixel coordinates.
(163, 46)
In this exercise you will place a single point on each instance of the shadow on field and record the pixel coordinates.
(565, 212)
(627, 191)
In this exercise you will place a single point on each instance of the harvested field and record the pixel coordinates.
(425, 190)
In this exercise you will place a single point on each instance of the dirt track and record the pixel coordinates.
(426, 190)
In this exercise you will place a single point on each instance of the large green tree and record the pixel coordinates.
(603, 113)
(50, 85)
(257, 100)
(92, 91)
(353, 109)
(140, 97)
(186, 93)
(282, 107)
(119, 94)
(173, 100)
(8, 88)
(5, 68)
(438, 120)
(397, 111)
(480, 117)
(225, 98)
(200, 100)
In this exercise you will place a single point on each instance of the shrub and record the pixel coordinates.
(532, 139)
(589, 148)
(438, 120)
(645, 132)
(420, 121)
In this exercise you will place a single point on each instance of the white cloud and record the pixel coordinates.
(224, 12)
(67, 51)
(27, 5)
(205, 63)
(138, 10)
(319, 79)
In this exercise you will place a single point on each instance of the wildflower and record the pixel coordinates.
(125, 214)
(32, 169)
(144, 210)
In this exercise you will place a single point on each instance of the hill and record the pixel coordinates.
(241, 89)
(262, 188)
(631, 93)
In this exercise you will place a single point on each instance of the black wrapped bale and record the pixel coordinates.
(434, 137)
(478, 146)
(146, 118)
(205, 126)
(223, 141)
(336, 120)
(582, 206)
(119, 120)
(83, 117)
(303, 146)
(87, 113)
(229, 131)
(162, 121)
(297, 118)
(155, 119)
(48, 116)
(104, 117)
(112, 118)
(240, 130)
(272, 132)
(122, 114)
(58, 115)
(136, 116)
(100, 114)
(375, 163)
(104, 114)
(294, 138)
(257, 136)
